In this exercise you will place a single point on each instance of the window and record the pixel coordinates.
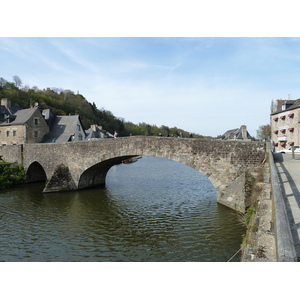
(7, 133)
(14, 132)
(78, 127)
(36, 134)
(36, 121)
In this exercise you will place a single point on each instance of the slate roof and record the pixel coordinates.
(3, 113)
(296, 104)
(63, 129)
(234, 134)
(22, 116)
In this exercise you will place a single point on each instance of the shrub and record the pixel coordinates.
(11, 175)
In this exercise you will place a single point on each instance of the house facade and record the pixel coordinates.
(284, 122)
(25, 126)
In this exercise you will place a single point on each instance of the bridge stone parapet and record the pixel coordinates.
(79, 165)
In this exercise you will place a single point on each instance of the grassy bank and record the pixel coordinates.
(11, 174)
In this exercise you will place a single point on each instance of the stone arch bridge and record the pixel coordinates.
(80, 165)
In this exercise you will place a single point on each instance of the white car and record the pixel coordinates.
(289, 150)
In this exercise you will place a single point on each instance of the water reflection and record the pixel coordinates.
(152, 210)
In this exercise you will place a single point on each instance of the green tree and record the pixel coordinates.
(264, 132)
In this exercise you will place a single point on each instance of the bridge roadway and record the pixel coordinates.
(79, 165)
(288, 171)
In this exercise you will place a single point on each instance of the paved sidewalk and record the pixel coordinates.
(289, 175)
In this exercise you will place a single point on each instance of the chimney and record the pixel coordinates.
(5, 102)
(244, 132)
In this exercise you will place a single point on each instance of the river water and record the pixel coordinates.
(153, 210)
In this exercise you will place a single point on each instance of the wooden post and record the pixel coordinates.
(293, 152)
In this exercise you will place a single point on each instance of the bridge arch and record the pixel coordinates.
(96, 174)
(35, 172)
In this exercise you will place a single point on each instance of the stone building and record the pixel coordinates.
(97, 132)
(20, 126)
(66, 129)
(4, 111)
(25, 126)
(284, 121)
(237, 134)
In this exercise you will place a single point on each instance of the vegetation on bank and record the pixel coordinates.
(11, 174)
(66, 102)
(248, 218)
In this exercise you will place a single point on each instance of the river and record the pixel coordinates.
(153, 210)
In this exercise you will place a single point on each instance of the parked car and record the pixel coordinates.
(289, 150)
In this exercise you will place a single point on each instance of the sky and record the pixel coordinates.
(206, 85)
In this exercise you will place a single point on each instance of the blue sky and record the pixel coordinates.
(203, 85)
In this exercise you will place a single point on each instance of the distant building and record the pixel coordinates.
(7, 111)
(237, 134)
(25, 126)
(31, 125)
(284, 122)
(66, 129)
(96, 132)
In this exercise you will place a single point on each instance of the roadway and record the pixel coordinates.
(288, 173)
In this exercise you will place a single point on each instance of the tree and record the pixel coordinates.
(264, 132)
(17, 80)
(2, 82)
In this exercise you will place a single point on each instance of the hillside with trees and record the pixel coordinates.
(66, 102)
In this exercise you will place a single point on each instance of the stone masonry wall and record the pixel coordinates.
(11, 153)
